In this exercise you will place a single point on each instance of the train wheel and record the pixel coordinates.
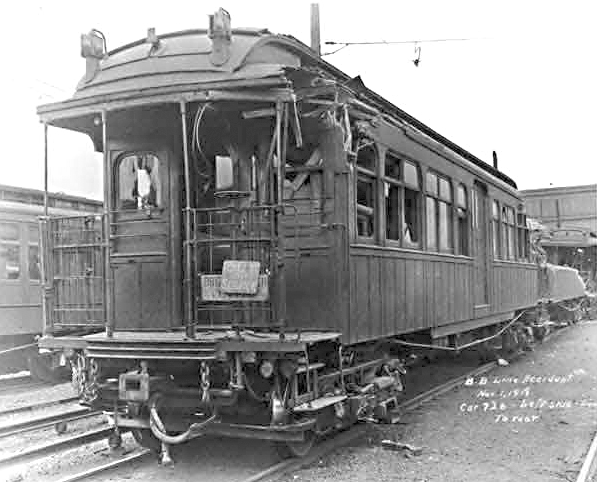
(145, 438)
(288, 450)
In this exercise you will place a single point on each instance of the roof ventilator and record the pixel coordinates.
(93, 49)
(220, 33)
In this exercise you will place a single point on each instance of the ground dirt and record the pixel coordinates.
(534, 421)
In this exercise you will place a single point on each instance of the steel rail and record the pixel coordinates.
(274, 472)
(29, 384)
(103, 468)
(37, 406)
(588, 467)
(53, 447)
(44, 422)
(343, 438)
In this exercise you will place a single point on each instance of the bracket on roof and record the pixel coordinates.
(152, 39)
(220, 33)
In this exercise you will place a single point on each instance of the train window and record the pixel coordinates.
(34, 271)
(523, 237)
(392, 192)
(10, 251)
(439, 213)
(366, 191)
(33, 255)
(508, 232)
(462, 224)
(495, 228)
(365, 206)
(412, 202)
(138, 182)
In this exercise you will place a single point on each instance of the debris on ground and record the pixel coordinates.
(503, 363)
(411, 449)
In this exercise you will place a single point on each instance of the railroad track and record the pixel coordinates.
(59, 421)
(45, 422)
(325, 446)
(277, 470)
(36, 406)
(19, 383)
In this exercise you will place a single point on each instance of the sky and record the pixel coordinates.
(524, 85)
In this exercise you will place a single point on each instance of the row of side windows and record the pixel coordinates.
(509, 232)
(445, 204)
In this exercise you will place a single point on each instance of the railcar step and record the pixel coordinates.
(319, 403)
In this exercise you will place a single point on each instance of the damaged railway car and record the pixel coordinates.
(272, 228)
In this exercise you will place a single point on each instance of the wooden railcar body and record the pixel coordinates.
(328, 179)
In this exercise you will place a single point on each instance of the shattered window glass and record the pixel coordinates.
(138, 182)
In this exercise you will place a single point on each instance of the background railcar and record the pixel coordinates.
(20, 271)
(568, 216)
(270, 228)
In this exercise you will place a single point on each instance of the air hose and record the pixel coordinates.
(159, 430)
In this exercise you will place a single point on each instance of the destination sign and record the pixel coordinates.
(240, 277)
(211, 289)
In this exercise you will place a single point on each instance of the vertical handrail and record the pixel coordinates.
(281, 113)
(187, 242)
(48, 322)
(108, 281)
(47, 317)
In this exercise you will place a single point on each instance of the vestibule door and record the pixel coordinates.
(140, 253)
(481, 243)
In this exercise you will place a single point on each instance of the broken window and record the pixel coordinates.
(392, 192)
(138, 183)
(366, 191)
(10, 251)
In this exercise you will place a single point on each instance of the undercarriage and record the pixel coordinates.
(169, 389)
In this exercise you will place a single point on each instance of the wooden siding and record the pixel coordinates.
(515, 285)
(397, 291)
(312, 290)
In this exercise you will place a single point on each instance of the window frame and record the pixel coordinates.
(16, 242)
(436, 198)
(33, 243)
(463, 229)
(496, 239)
(402, 185)
(363, 174)
(508, 225)
(158, 209)
(523, 240)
